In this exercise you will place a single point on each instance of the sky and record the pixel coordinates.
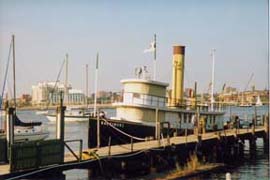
(119, 31)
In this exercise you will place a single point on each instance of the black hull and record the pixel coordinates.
(116, 137)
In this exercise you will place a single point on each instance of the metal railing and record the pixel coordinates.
(79, 158)
(160, 101)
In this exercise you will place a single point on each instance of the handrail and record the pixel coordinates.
(147, 99)
(72, 152)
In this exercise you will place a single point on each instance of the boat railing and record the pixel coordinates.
(192, 104)
(132, 98)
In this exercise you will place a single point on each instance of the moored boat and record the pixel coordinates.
(148, 112)
(71, 115)
(23, 131)
(258, 102)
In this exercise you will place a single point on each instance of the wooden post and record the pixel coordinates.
(195, 94)
(266, 124)
(10, 125)
(131, 143)
(202, 125)
(157, 127)
(60, 120)
(255, 116)
(186, 134)
(109, 145)
(98, 128)
(237, 125)
(253, 124)
(266, 134)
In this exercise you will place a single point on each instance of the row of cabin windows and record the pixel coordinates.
(144, 99)
(187, 118)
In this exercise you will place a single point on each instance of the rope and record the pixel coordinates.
(6, 74)
(51, 167)
(137, 138)
(79, 163)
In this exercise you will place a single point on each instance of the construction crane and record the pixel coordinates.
(249, 81)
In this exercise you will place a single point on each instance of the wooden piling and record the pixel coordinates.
(266, 134)
(157, 132)
(98, 128)
(60, 120)
(10, 125)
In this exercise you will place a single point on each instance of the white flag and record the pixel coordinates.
(152, 47)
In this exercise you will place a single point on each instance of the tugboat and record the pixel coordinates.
(148, 111)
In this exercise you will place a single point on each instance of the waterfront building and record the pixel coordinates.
(45, 93)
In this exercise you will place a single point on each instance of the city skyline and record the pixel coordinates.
(46, 30)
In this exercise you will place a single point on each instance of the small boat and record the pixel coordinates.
(71, 115)
(31, 131)
(245, 105)
(258, 102)
(42, 112)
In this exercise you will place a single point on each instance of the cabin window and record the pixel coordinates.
(210, 119)
(214, 119)
(136, 95)
(189, 118)
(185, 118)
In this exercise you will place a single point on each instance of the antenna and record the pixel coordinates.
(96, 83)
(155, 56)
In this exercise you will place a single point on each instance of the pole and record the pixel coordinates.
(213, 78)
(86, 93)
(60, 115)
(14, 68)
(155, 56)
(66, 81)
(96, 83)
(195, 95)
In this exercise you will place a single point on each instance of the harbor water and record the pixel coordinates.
(256, 167)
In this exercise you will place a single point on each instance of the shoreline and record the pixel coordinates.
(38, 108)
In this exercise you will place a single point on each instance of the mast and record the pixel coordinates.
(66, 81)
(86, 91)
(14, 68)
(213, 78)
(96, 83)
(155, 56)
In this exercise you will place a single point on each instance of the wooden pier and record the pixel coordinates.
(91, 156)
(43, 158)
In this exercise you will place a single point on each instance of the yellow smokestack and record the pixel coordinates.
(178, 75)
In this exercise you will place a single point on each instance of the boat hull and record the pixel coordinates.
(31, 137)
(69, 118)
(115, 136)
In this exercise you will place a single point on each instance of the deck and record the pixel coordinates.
(118, 150)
